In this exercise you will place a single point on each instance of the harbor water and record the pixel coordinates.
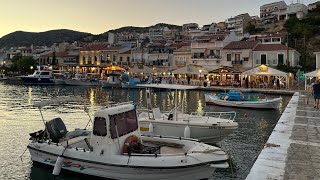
(18, 118)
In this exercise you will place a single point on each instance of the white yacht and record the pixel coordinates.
(115, 149)
(82, 80)
(209, 127)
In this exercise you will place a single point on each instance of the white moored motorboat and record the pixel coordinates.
(233, 99)
(115, 149)
(210, 127)
(82, 80)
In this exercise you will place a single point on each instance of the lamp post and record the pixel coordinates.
(200, 71)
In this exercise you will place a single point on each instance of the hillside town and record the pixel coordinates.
(210, 47)
(237, 98)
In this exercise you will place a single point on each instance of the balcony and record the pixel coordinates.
(206, 57)
(237, 62)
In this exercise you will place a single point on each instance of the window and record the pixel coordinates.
(45, 74)
(237, 57)
(228, 57)
(280, 59)
(120, 59)
(246, 59)
(89, 60)
(263, 59)
(128, 59)
(99, 126)
(123, 123)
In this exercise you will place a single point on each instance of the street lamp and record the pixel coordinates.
(200, 71)
(31, 67)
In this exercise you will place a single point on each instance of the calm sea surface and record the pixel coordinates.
(18, 118)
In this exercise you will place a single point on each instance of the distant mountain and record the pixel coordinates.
(144, 29)
(21, 38)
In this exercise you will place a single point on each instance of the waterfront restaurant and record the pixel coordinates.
(190, 74)
(265, 77)
(224, 76)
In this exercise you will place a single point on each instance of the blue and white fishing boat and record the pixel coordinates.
(237, 99)
(131, 83)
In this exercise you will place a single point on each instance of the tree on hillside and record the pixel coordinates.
(22, 64)
(252, 29)
(303, 31)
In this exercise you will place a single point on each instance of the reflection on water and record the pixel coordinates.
(18, 118)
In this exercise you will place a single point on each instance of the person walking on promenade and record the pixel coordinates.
(278, 83)
(247, 82)
(316, 93)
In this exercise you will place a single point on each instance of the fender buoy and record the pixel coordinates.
(131, 140)
(186, 133)
(58, 165)
(150, 128)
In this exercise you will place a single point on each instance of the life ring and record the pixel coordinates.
(131, 140)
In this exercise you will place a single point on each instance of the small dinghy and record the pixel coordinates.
(236, 99)
(115, 149)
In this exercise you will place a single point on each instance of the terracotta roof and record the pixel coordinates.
(271, 47)
(179, 45)
(126, 52)
(64, 54)
(184, 49)
(61, 54)
(95, 47)
(241, 45)
(114, 48)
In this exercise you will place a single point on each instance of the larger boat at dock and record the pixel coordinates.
(115, 149)
(39, 77)
(83, 80)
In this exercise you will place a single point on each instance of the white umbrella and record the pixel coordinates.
(190, 70)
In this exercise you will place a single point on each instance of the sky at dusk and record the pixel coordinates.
(98, 16)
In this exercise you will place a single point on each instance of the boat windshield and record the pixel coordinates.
(123, 123)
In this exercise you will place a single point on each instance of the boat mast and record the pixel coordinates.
(176, 104)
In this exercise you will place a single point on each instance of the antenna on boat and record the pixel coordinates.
(85, 109)
(148, 98)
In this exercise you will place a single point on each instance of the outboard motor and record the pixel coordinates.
(56, 129)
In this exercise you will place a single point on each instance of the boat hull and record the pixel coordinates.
(261, 104)
(106, 170)
(59, 82)
(36, 80)
(72, 82)
(106, 84)
(206, 134)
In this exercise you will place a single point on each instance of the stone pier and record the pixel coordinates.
(293, 149)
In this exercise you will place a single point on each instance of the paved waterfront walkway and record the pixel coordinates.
(293, 149)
